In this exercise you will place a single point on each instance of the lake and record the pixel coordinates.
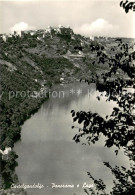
(47, 153)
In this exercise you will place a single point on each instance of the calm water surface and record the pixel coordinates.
(47, 153)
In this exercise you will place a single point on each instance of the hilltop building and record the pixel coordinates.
(40, 34)
(59, 30)
(92, 38)
(4, 37)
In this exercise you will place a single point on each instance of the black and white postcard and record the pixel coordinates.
(67, 97)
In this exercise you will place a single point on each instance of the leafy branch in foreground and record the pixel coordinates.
(117, 128)
(125, 182)
(128, 5)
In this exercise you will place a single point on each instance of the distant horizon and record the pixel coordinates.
(86, 17)
(8, 33)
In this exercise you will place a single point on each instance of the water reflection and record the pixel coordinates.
(47, 153)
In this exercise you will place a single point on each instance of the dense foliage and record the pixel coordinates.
(24, 72)
(118, 128)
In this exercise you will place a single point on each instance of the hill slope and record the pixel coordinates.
(30, 64)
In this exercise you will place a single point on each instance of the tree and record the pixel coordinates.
(127, 5)
(118, 128)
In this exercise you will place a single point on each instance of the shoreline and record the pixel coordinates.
(4, 190)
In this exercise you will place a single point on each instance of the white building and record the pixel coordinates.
(92, 38)
(60, 26)
(19, 33)
(48, 30)
(31, 33)
(61, 79)
(5, 153)
(10, 35)
(4, 37)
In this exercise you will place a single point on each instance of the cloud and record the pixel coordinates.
(98, 27)
(21, 27)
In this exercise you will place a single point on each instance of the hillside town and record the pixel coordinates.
(36, 60)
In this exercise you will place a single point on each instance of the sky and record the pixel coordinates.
(87, 17)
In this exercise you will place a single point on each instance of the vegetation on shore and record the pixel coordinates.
(25, 76)
(31, 64)
(117, 128)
